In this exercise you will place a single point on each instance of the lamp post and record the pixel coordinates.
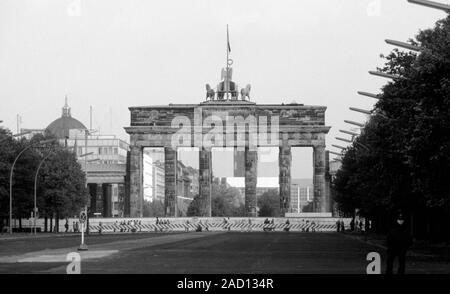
(335, 153)
(343, 140)
(384, 75)
(85, 155)
(85, 223)
(403, 45)
(432, 4)
(367, 94)
(337, 146)
(354, 123)
(362, 145)
(11, 177)
(349, 133)
(361, 110)
(35, 190)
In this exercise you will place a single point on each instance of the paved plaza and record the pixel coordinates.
(203, 252)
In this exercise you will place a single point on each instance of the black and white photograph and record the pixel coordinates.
(225, 144)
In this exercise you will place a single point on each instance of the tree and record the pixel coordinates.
(225, 201)
(194, 208)
(154, 208)
(7, 154)
(22, 184)
(269, 203)
(407, 156)
(62, 184)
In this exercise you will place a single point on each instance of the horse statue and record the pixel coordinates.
(245, 92)
(209, 92)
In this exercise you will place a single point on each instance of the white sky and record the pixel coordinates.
(114, 54)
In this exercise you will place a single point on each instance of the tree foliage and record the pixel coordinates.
(269, 204)
(60, 184)
(154, 208)
(402, 158)
(225, 201)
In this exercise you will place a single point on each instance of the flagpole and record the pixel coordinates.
(226, 75)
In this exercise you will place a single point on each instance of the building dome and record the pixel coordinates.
(61, 127)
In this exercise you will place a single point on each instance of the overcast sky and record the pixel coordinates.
(112, 54)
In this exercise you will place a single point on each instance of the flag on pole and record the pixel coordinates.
(228, 41)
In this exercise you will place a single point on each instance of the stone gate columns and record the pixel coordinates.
(320, 192)
(251, 161)
(136, 195)
(170, 186)
(284, 161)
(205, 180)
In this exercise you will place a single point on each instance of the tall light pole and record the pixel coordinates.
(338, 146)
(35, 190)
(384, 75)
(349, 133)
(335, 153)
(343, 139)
(361, 110)
(85, 225)
(367, 94)
(361, 125)
(432, 4)
(403, 45)
(11, 177)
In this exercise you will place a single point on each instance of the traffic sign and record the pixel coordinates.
(83, 217)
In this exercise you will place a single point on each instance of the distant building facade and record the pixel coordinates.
(302, 194)
(105, 166)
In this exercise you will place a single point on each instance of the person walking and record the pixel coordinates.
(313, 226)
(352, 225)
(287, 226)
(398, 240)
(66, 225)
(338, 225)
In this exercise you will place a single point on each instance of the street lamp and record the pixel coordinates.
(403, 45)
(368, 112)
(376, 96)
(360, 110)
(349, 133)
(354, 123)
(35, 190)
(340, 147)
(11, 177)
(432, 4)
(362, 145)
(342, 139)
(335, 153)
(86, 154)
(384, 75)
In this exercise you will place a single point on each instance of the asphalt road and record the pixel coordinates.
(230, 252)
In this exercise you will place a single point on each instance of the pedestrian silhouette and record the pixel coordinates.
(398, 241)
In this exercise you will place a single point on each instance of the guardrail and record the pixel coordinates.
(130, 225)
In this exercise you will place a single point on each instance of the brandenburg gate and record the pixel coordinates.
(226, 120)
